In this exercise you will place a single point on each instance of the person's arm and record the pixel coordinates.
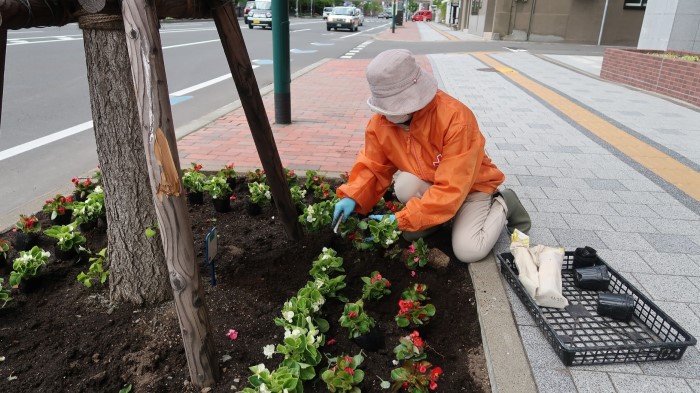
(462, 155)
(371, 175)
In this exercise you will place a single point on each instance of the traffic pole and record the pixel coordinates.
(393, 16)
(281, 61)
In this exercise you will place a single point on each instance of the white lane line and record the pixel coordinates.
(296, 31)
(190, 44)
(25, 147)
(45, 140)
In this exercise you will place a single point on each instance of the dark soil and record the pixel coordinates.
(66, 338)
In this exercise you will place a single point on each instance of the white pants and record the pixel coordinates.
(477, 224)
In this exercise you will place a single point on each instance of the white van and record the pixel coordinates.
(327, 11)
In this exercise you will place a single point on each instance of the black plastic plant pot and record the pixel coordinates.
(62, 219)
(25, 241)
(87, 226)
(79, 197)
(231, 182)
(222, 205)
(66, 255)
(253, 208)
(195, 198)
(618, 306)
(370, 342)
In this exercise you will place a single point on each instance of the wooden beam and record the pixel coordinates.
(151, 89)
(19, 14)
(251, 100)
(3, 53)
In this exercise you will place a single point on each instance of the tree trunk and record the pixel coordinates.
(139, 273)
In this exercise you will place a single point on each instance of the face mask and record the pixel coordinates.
(399, 119)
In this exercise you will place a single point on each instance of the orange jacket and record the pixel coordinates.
(443, 146)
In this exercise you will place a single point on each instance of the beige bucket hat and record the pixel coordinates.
(399, 86)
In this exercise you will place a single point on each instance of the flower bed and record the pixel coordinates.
(65, 337)
(672, 77)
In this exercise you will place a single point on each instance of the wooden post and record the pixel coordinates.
(3, 54)
(251, 100)
(151, 88)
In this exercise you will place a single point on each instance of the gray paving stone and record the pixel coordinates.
(553, 381)
(669, 288)
(560, 193)
(673, 264)
(538, 181)
(510, 182)
(540, 147)
(643, 197)
(676, 211)
(544, 161)
(541, 236)
(672, 227)
(640, 185)
(686, 367)
(610, 173)
(586, 221)
(492, 124)
(554, 206)
(600, 195)
(544, 171)
(577, 173)
(601, 208)
(627, 368)
(522, 317)
(672, 243)
(540, 126)
(510, 146)
(605, 184)
(567, 149)
(624, 241)
(625, 261)
(538, 349)
(521, 162)
(634, 210)
(549, 220)
(631, 383)
(573, 238)
(591, 381)
(694, 384)
(685, 317)
(630, 224)
(512, 170)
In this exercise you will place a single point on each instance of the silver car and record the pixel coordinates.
(261, 15)
(343, 18)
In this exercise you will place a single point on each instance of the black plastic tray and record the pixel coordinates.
(580, 336)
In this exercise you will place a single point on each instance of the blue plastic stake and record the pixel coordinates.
(210, 250)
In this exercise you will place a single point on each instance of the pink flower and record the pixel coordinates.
(413, 273)
(232, 334)
(330, 342)
(411, 248)
(416, 259)
(349, 370)
(232, 197)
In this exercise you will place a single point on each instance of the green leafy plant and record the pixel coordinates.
(68, 238)
(345, 176)
(193, 179)
(412, 312)
(4, 293)
(59, 205)
(27, 224)
(327, 263)
(416, 292)
(417, 254)
(415, 377)
(356, 320)
(256, 176)
(227, 172)
(298, 195)
(259, 193)
(126, 389)
(330, 287)
(91, 209)
(217, 187)
(291, 176)
(96, 272)
(375, 286)
(4, 248)
(83, 186)
(343, 374)
(28, 265)
(323, 191)
(411, 347)
(394, 206)
(313, 180)
(279, 380)
(691, 58)
(384, 232)
(317, 216)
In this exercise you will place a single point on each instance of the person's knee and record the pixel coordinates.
(407, 186)
(470, 254)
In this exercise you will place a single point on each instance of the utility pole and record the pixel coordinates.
(280, 56)
(393, 16)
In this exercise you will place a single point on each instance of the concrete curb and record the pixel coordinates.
(508, 366)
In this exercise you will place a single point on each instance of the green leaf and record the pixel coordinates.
(385, 385)
(150, 232)
(125, 389)
(358, 377)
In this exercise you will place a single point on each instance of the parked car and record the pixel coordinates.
(248, 6)
(360, 15)
(343, 18)
(425, 15)
(383, 15)
(260, 15)
(327, 11)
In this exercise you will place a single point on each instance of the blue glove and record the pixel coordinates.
(345, 207)
(379, 217)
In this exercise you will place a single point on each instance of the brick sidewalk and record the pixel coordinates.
(327, 129)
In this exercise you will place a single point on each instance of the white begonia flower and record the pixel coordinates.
(98, 190)
(268, 195)
(46, 254)
(319, 283)
(259, 368)
(324, 268)
(310, 218)
(264, 389)
(324, 249)
(288, 315)
(268, 351)
(388, 242)
(395, 362)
